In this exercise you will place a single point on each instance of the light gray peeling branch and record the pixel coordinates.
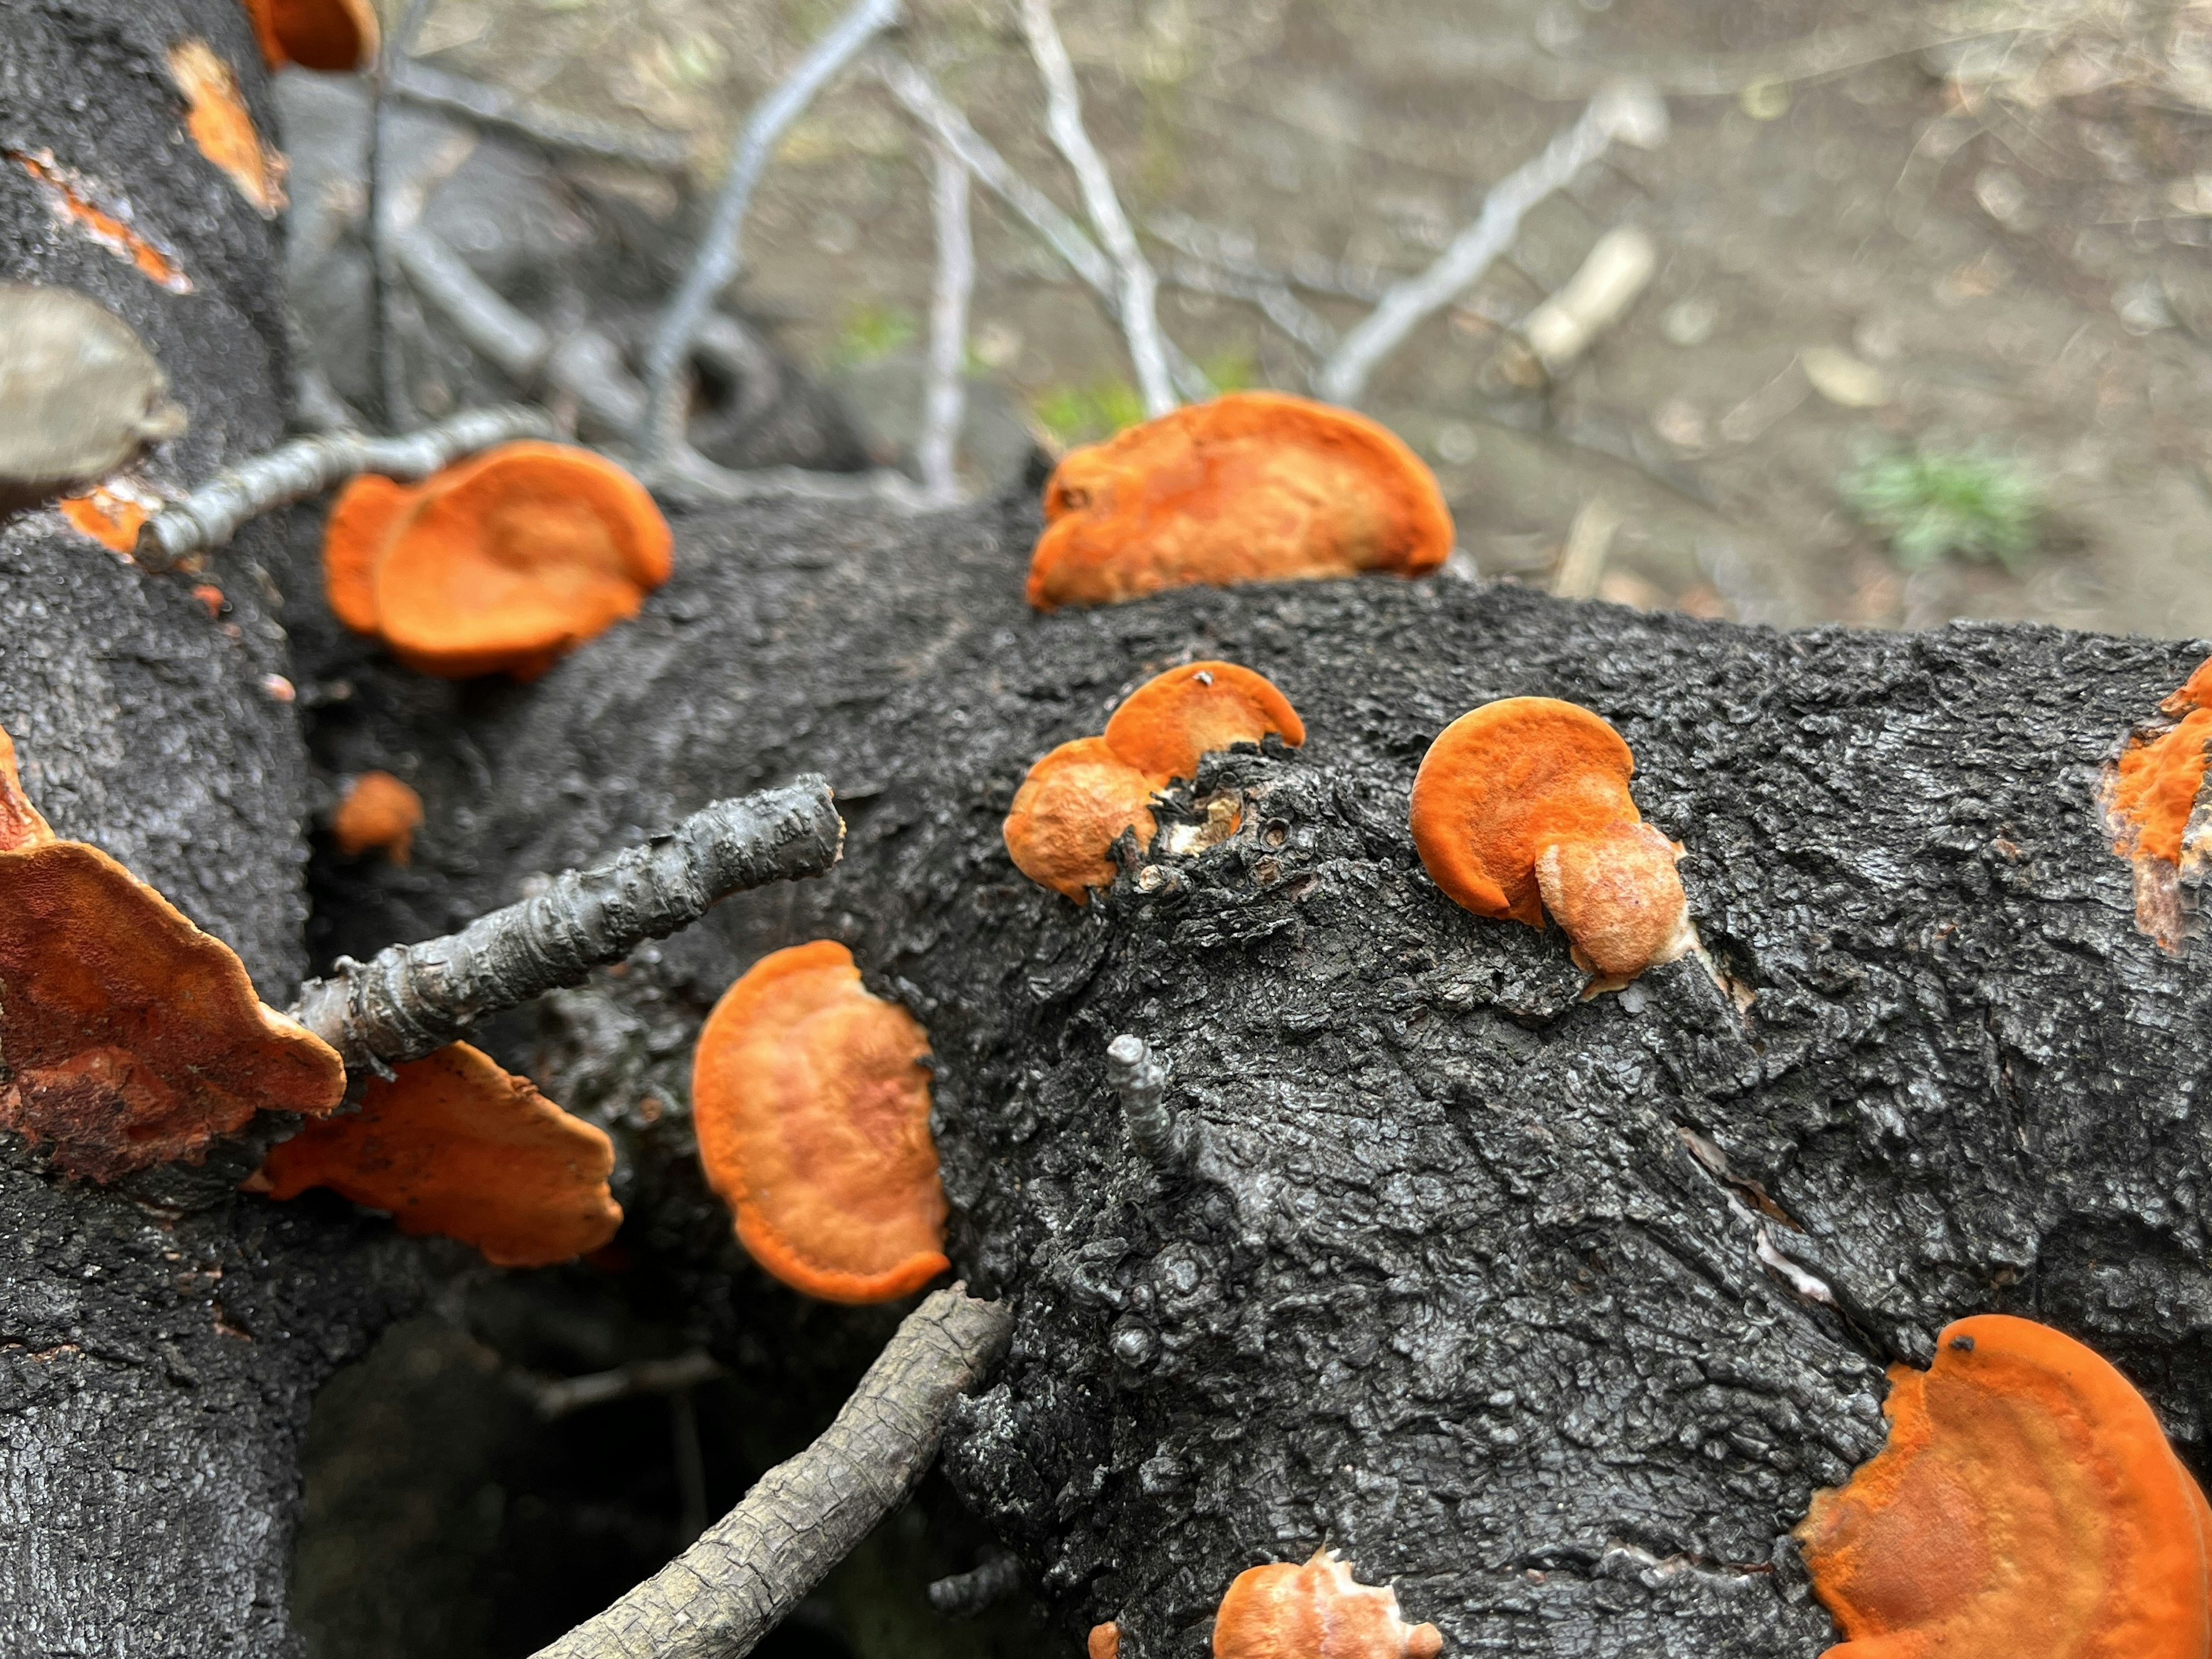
(410, 999)
(754, 1566)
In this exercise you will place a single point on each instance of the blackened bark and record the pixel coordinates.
(1515, 1297)
(155, 1367)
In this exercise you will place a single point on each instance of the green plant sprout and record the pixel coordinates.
(871, 332)
(1927, 504)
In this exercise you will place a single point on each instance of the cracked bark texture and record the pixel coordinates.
(1476, 1280)
(156, 1367)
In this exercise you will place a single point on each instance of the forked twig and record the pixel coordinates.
(722, 246)
(946, 400)
(1631, 113)
(410, 999)
(495, 107)
(211, 515)
(754, 1566)
(919, 97)
(1137, 286)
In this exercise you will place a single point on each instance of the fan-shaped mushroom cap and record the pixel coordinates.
(316, 35)
(811, 1106)
(511, 559)
(1104, 1642)
(1070, 809)
(21, 824)
(132, 1038)
(360, 526)
(453, 1144)
(1254, 486)
(379, 810)
(2153, 788)
(2027, 1504)
(1317, 1611)
(1165, 725)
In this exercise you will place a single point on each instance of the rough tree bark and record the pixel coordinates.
(1510, 1296)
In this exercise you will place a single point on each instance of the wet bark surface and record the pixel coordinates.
(1480, 1282)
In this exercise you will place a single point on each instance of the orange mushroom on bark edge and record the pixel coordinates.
(1316, 1611)
(1522, 807)
(379, 813)
(316, 35)
(1075, 802)
(498, 564)
(130, 1038)
(811, 1106)
(2027, 1506)
(2151, 796)
(1253, 487)
(453, 1145)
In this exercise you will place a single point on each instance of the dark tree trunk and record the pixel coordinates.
(1482, 1283)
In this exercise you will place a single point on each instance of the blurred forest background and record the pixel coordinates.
(1926, 337)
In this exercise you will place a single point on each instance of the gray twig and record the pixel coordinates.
(410, 1000)
(1274, 300)
(1238, 254)
(919, 97)
(210, 515)
(1139, 1076)
(946, 401)
(1139, 287)
(384, 319)
(754, 1566)
(682, 474)
(495, 107)
(1630, 113)
(556, 1397)
(722, 247)
(965, 1595)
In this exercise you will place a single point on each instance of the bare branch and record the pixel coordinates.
(722, 247)
(1631, 114)
(1274, 300)
(1139, 287)
(556, 1397)
(384, 317)
(919, 97)
(966, 1595)
(494, 329)
(410, 1000)
(946, 399)
(210, 515)
(683, 475)
(754, 1566)
(496, 107)
(1237, 253)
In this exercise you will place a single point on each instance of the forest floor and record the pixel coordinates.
(1986, 223)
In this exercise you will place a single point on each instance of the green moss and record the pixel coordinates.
(1929, 503)
(1084, 414)
(871, 331)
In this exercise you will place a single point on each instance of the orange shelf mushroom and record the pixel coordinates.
(1076, 801)
(131, 1038)
(381, 812)
(1316, 1611)
(500, 563)
(811, 1105)
(1522, 807)
(2026, 1506)
(1253, 487)
(2150, 795)
(316, 35)
(453, 1144)
(1104, 1642)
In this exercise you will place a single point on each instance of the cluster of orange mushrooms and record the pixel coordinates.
(2017, 1457)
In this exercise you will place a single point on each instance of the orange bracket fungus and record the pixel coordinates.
(2026, 1506)
(2151, 796)
(1317, 1611)
(811, 1105)
(128, 1038)
(316, 35)
(1104, 1642)
(1522, 807)
(1076, 802)
(502, 562)
(379, 812)
(453, 1144)
(217, 119)
(1253, 487)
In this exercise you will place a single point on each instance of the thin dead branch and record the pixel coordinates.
(1628, 112)
(410, 1000)
(554, 1398)
(1139, 287)
(496, 108)
(919, 97)
(721, 249)
(1238, 254)
(211, 515)
(754, 1566)
(946, 401)
(386, 316)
